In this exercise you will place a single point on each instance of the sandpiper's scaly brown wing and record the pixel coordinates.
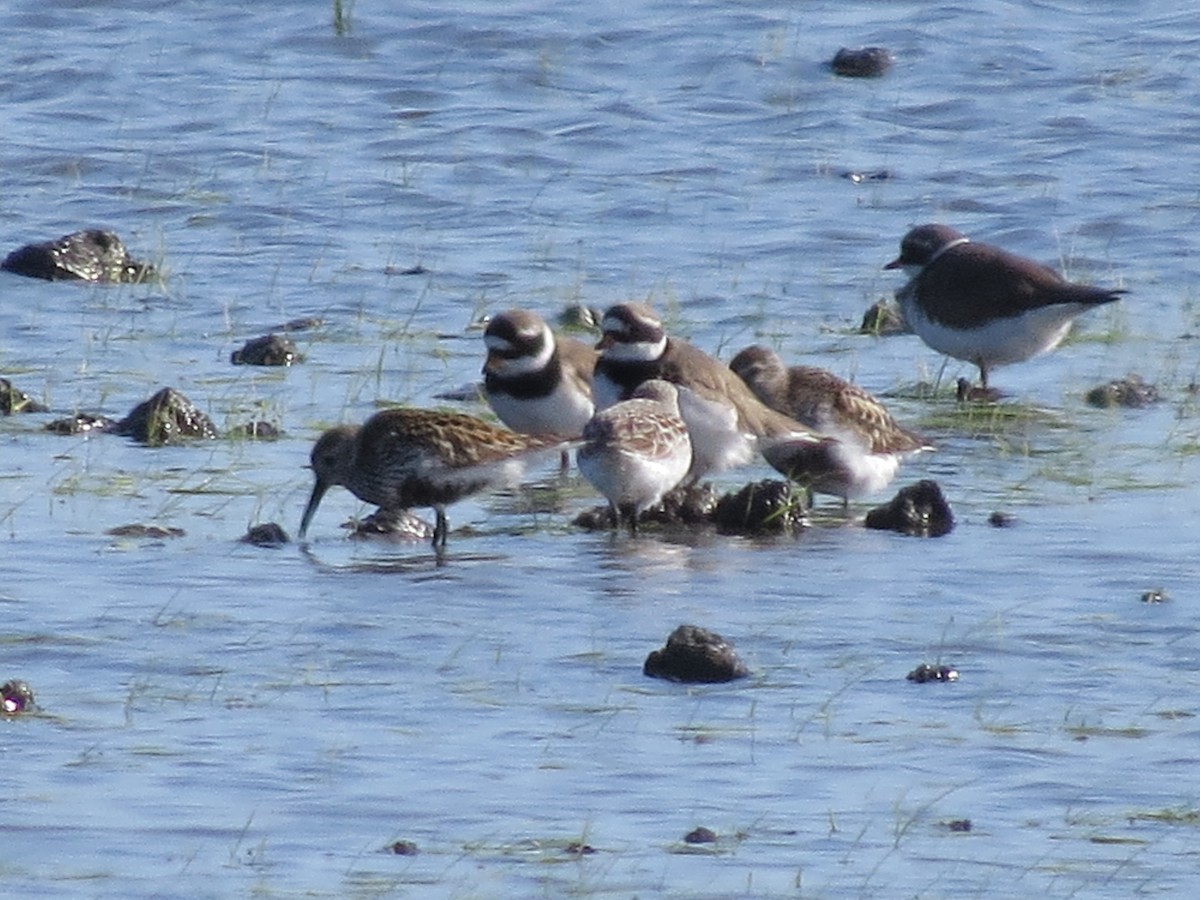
(863, 445)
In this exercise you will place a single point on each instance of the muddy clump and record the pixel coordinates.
(685, 506)
(81, 423)
(598, 518)
(256, 431)
(926, 672)
(769, 506)
(396, 524)
(580, 317)
(1130, 392)
(13, 400)
(691, 505)
(919, 510)
(862, 62)
(856, 176)
(16, 697)
(268, 534)
(415, 269)
(303, 323)
(268, 350)
(153, 532)
(882, 319)
(700, 835)
(166, 418)
(965, 392)
(695, 655)
(91, 255)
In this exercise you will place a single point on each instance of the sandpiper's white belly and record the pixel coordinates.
(629, 479)
(860, 473)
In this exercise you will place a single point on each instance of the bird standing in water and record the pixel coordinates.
(984, 305)
(400, 458)
(636, 451)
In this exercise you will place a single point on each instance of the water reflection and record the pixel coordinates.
(644, 556)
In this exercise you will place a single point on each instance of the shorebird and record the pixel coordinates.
(404, 457)
(870, 443)
(535, 381)
(637, 450)
(982, 304)
(727, 423)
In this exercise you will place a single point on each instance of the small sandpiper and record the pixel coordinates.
(982, 304)
(637, 450)
(404, 457)
(726, 421)
(870, 443)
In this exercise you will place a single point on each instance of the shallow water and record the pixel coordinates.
(222, 720)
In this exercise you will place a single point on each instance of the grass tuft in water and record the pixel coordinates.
(341, 16)
(1083, 731)
(990, 419)
(1171, 815)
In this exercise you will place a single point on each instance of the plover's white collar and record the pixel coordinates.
(950, 246)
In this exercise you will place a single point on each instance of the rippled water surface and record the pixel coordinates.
(222, 720)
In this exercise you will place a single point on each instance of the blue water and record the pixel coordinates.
(221, 720)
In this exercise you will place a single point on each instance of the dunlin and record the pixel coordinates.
(400, 458)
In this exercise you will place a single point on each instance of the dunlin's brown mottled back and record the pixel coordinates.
(400, 458)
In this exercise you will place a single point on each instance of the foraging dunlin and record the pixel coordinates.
(400, 458)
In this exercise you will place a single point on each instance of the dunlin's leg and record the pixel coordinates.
(440, 529)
